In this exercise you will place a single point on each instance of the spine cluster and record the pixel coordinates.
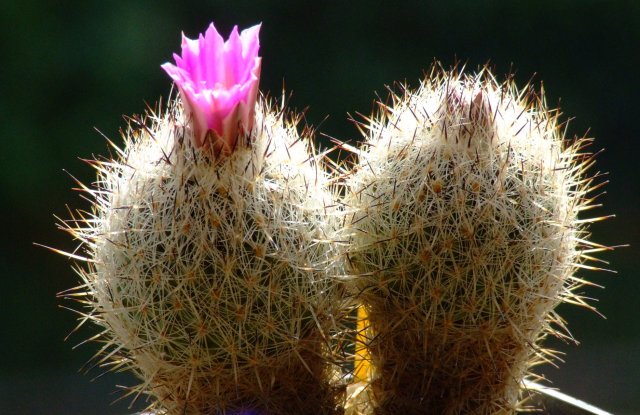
(214, 278)
(464, 237)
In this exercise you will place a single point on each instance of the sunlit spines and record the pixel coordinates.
(214, 279)
(464, 206)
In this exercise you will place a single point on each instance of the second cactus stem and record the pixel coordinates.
(464, 237)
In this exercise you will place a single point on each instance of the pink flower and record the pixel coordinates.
(218, 83)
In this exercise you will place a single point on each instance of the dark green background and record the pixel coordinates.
(71, 66)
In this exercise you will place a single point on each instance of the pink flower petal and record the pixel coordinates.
(218, 83)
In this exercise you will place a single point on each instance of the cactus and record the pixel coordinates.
(465, 237)
(210, 267)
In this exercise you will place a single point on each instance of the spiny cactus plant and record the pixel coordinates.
(465, 237)
(209, 263)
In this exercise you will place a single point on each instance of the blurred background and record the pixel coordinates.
(72, 66)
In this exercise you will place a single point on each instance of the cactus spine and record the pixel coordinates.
(465, 237)
(213, 277)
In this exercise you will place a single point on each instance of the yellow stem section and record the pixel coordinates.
(362, 366)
